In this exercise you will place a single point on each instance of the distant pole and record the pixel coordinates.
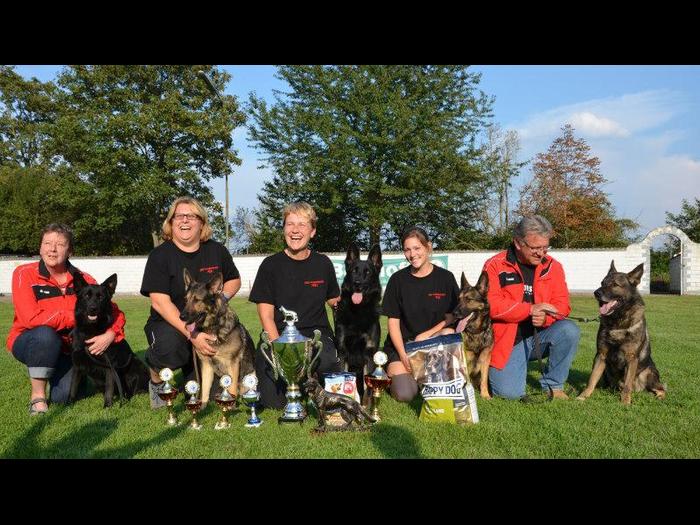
(215, 92)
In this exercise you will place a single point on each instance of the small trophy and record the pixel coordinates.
(291, 358)
(225, 401)
(377, 381)
(251, 397)
(193, 404)
(167, 394)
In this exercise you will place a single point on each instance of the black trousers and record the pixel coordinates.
(272, 393)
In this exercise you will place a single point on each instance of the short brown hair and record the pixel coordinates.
(206, 232)
(61, 229)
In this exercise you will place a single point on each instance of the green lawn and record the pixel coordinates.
(598, 428)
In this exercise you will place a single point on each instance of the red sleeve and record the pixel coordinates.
(28, 310)
(560, 293)
(503, 307)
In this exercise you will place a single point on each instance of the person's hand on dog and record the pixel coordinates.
(98, 344)
(539, 313)
(406, 362)
(201, 344)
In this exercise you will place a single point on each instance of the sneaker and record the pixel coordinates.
(153, 389)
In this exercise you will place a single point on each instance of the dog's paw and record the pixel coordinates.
(582, 397)
(485, 395)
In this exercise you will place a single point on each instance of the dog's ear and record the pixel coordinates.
(187, 278)
(482, 285)
(78, 282)
(375, 255)
(635, 276)
(111, 284)
(216, 284)
(464, 283)
(612, 267)
(353, 254)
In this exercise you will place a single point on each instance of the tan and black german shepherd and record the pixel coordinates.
(624, 351)
(208, 311)
(473, 319)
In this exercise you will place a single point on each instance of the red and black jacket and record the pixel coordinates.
(506, 298)
(38, 300)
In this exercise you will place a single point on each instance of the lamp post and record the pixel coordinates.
(215, 92)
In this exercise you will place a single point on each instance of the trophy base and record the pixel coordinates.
(253, 425)
(195, 426)
(220, 425)
(287, 419)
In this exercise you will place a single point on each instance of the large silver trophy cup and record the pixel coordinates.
(291, 356)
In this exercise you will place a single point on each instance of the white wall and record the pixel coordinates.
(584, 268)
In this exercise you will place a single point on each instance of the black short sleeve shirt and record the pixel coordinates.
(419, 302)
(301, 286)
(165, 265)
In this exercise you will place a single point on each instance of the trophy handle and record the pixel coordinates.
(315, 343)
(266, 344)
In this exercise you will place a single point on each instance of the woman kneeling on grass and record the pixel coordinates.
(416, 300)
(44, 302)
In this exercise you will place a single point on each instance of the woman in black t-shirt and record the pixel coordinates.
(188, 244)
(416, 300)
(303, 281)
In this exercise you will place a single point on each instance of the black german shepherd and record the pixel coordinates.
(118, 365)
(624, 351)
(357, 328)
(472, 318)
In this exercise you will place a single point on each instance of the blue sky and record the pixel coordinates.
(642, 122)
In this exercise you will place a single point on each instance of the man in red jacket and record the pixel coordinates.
(525, 287)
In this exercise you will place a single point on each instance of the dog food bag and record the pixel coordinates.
(440, 368)
(342, 383)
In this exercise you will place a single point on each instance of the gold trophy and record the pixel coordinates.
(291, 358)
(225, 401)
(193, 404)
(377, 381)
(167, 394)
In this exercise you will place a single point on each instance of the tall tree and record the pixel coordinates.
(688, 219)
(373, 149)
(566, 189)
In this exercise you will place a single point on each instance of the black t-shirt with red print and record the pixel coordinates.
(165, 264)
(301, 286)
(419, 302)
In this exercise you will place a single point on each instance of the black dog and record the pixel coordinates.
(116, 366)
(357, 319)
(350, 410)
(624, 351)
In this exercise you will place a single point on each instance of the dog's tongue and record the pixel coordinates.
(357, 298)
(605, 309)
(190, 327)
(462, 324)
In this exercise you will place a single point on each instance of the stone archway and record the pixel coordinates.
(689, 263)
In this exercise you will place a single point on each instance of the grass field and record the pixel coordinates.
(601, 427)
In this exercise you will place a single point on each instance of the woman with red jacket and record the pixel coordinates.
(525, 288)
(44, 302)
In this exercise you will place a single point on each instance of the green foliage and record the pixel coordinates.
(119, 144)
(688, 219)
(374, 149)
(600, 427)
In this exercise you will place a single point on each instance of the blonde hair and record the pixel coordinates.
(167, 230)
(300, 208)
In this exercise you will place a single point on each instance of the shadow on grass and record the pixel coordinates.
(577, 379)
(394, 442)
(81, 442)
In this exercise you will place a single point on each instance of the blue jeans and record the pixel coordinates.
(40, 349)
(558, 342)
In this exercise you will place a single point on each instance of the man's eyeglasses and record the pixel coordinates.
(542, 249)
(182, 216)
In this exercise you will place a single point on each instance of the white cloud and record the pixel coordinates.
(589, 124)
